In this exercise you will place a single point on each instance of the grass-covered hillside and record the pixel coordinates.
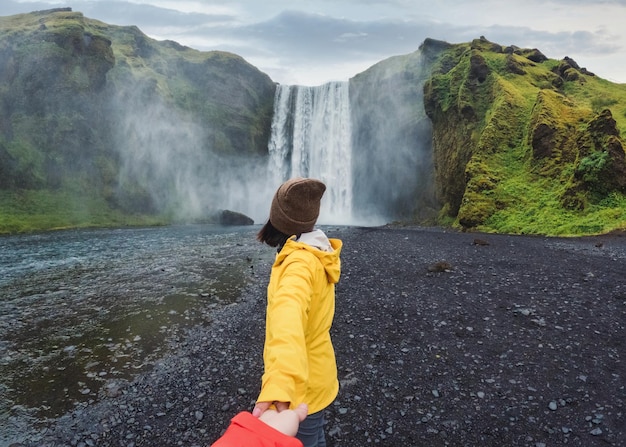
(92, 116)
(523, 143)
(102, 126)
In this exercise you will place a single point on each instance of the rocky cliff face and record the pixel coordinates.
(52, 82)
(80, 100)
(391, 135)
(521, 142)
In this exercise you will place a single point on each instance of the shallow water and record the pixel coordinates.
(82, 309)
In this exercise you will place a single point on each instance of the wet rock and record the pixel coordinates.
(479, 241)
(227, 217)
(552, 406)
(440, 266)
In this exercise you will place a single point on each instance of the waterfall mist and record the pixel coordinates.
(392, 142)
(167, 164)
(367, 138)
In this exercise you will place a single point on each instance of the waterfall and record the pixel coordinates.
(311, 137)
(368, 139)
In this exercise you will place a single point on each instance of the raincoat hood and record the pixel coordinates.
(316, 242)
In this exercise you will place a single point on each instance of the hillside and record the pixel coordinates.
(523, 143)
(92, 115)
(102, 126)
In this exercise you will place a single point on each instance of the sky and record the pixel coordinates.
(316, 41)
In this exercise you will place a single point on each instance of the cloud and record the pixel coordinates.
(316, 41)
(297, 39)
(148, 16)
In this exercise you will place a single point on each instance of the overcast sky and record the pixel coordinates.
(312, 42)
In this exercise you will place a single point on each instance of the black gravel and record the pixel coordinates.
(442, 339)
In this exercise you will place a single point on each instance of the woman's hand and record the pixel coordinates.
(261, 407)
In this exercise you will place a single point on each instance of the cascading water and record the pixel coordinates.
(311, 137)
(368, 139)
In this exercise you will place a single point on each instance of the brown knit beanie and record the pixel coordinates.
(296, 205)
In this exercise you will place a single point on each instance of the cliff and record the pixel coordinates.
(101, 125)
(87, 112)
(523, 143)
(391, 138)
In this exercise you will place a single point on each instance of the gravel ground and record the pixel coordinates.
(442, 339)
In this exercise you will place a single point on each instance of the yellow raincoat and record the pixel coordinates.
(298, 355)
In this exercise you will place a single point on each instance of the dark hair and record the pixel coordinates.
(269, 235)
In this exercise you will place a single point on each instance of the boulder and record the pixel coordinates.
(233, 218)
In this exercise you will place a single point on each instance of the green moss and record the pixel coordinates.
(540, 216)
(591, 166)
(532, 158)
(23, 211)
(60, 81)
(475, 209)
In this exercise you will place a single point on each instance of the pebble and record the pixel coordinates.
(597, 419)
(552, 406)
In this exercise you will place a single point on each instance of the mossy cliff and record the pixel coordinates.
(77, 98)
(523, 143)
(93, 118)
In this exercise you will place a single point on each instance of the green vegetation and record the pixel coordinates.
(591, 166)
(23, 211)
(521, 143)
(525, 144)
(76, 95)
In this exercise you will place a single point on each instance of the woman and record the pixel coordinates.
(298, 355)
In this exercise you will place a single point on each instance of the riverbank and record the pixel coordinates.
(442, 338)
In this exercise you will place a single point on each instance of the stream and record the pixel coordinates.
(83, 308)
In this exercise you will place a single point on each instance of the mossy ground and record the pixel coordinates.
(30, 211)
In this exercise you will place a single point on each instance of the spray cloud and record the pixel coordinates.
(166, 157)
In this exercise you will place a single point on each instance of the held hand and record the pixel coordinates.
(285, 421)
(281, 406)
(261, 407)
(302, 411)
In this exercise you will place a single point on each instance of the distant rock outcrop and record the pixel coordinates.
(227, 217)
